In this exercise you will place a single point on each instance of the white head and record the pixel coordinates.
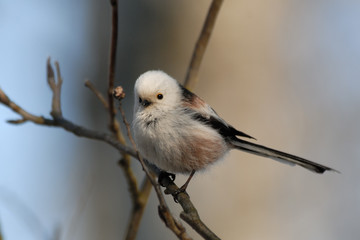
(155, 90)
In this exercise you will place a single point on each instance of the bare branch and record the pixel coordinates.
(139, 198)
(176, 227)
(18, 121)
(55, 88)
(98, 94)
(138, 204)
(138, 210)
(4, 99)
(190, 214)
(67, 125)
(125, 160)
(131, 179)
(114, 126)
(50, 74)
(201, 44)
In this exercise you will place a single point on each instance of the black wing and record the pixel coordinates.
(224, 129)
(216, 123)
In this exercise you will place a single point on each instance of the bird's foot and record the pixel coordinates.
(163, 175)
(182, 189)
(175, 193)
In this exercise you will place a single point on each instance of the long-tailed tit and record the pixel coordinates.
(179, 132)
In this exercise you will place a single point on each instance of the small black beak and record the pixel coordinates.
(145, 103)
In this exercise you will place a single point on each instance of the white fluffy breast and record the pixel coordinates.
(177, 143)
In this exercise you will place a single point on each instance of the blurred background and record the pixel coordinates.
(285, 72)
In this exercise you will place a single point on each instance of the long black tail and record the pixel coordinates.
(279, 156)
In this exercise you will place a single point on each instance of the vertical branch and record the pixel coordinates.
(176, 227)
(114, 126)
(139, 197)
(138, 210)
(200, 47)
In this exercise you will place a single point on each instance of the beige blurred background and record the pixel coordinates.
(285, 72)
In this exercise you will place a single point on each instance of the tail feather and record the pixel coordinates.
(279, 156)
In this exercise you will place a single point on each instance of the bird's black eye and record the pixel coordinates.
(140, 100)
(159, 96)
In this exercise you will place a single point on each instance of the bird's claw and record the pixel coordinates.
(176, 193)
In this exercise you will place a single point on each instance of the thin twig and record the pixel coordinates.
(138, 210)
(98, 94)
(176, 227)
(146, 170)
(190, 214)
(17, 121)
(139, 199)
(125, 160)
(26, 116)
(200, 47)
(138, 205)
(65, 124)
(131, 180)
(114, 126)
(55, 88)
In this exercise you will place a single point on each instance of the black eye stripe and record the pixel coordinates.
(140, 100)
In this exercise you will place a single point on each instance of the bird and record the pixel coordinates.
(178, 132)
